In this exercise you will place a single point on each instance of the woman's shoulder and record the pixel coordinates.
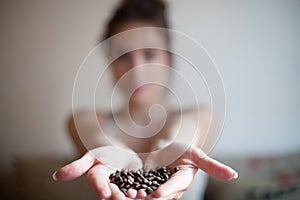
(82, 125)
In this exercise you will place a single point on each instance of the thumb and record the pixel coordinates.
(211, 166)
(74, 169)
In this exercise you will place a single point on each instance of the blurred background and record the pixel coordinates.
(255, 45)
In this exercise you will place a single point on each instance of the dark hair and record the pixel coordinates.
(153, 11)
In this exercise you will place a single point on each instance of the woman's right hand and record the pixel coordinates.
(98, 171)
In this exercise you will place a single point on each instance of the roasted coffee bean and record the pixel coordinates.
(119, 178)
(124, 190)
(130, 174)
(122, 185)
(111, 176)
(160, 170)
(156, 173)
(145, 181)
(138, 186)
(130, 180)
(176, 169)
(158, 179)
(149, 190)
(165, 176)
(153, 187)
(155, 183)
(140, 180)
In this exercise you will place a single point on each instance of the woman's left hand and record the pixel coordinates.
(188, 164)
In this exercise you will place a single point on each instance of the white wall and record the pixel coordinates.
(42, 45)
(255, 44)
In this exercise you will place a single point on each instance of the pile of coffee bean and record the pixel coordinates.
(149, 180)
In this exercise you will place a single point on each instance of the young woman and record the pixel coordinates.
(134, 66)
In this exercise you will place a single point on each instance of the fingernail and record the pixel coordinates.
(236, 175)
(106, 194)
(54, 177)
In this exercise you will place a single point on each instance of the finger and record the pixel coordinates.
(116, 192)
(173, 196)
(97, 178)
(177, 195)
(212, 167)
(131, 193)
(141, 194)
(178, 182)
(74, 169)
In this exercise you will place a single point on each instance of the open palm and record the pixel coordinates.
(188, 163)
(99, 164)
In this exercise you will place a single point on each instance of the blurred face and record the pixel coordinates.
(140, 71)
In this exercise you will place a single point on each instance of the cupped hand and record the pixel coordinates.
(188, 162)
(99, 164)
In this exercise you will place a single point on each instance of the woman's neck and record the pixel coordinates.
(140, 114)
